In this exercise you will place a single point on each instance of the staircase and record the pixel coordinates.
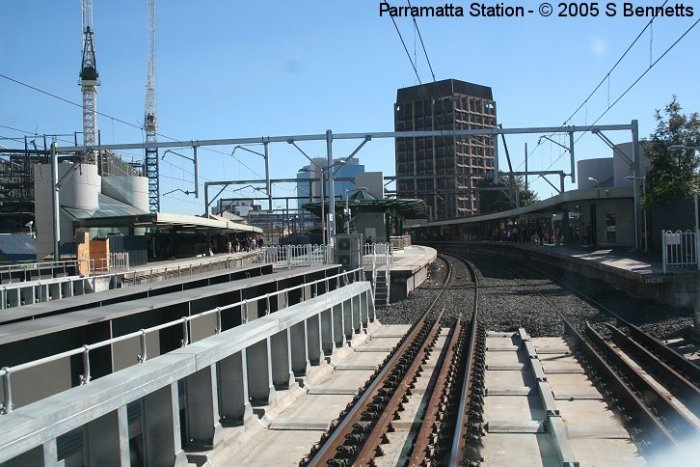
(382, 286)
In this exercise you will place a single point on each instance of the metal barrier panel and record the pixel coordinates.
(679, 249)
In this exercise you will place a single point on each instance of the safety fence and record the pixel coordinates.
(295, 255)
(28, 271)
(36, 291)
(680, 249)
(306, 291)
(115, 262)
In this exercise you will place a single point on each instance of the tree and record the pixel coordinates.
(672, 173)
(498, 199)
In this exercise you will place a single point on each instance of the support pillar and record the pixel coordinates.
(338, 335)
(202, 425)
(282, 376)
(260, 387)
(327, 332)
(234, 405)
(299, 349)
(107, 439)
(161, 428)
(314, 340)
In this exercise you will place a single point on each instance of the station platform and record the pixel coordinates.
(409, 269)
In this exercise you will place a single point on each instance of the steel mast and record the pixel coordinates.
(150, 120)
(89, 83)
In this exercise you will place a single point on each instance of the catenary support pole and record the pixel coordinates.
(56, 207)
(331, 190)
(635, 185)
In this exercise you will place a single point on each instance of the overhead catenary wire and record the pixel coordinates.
(630, 87)
(102, 114)
(420, 38)
(606, 78)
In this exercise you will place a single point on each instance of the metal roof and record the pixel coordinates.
(113, 213)
(406, 208)
(549, 205)
(18, 245)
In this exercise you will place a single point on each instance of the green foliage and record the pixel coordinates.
(673, 174)
(499, 200)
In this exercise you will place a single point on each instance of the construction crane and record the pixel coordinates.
(89, 83)
(150, 122)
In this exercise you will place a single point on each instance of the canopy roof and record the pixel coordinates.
(406, 208)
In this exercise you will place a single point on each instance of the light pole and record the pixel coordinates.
(593, 179)
(644, 204)
(347, 206)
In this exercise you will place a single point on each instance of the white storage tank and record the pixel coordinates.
(623, 167)
(600, 169)
(130, 190)
(79, 189)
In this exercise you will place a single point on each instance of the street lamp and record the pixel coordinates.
(347, 207)
(644, 190)
(593, 179)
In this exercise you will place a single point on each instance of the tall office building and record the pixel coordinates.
(443, 171)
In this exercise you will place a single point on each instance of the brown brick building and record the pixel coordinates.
(442, 170)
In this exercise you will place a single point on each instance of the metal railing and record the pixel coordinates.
(6, 406)
(63, 267)
(399, 242)
(115, 262)
(377, 255)
(295, 255)
(679, 249)
(170, 272)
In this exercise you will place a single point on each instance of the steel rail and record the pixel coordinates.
(656, 427)
(343, 430)
(684, 390)
(439, 393)
(461, 436)
(371, 446)
(678, 424)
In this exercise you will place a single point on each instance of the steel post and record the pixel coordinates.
(331, 189)
(635, 185)
(56, 207)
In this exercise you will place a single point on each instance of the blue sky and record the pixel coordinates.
(228, 69)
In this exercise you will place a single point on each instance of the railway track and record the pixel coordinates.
(653, 387)
(360, 435)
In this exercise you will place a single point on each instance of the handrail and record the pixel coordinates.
(5, 372)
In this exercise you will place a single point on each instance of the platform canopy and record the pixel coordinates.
(406, 208)
(165, 220)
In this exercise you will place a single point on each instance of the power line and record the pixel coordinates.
(629, 88)
(408, 54)
(420, 37)
(124, 122)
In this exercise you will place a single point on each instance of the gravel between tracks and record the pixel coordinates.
(510, 298)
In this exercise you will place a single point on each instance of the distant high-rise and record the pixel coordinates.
(443, 170)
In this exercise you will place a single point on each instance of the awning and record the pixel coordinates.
(406, 208)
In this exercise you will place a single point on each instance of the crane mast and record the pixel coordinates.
(89, 82)
(150, 118)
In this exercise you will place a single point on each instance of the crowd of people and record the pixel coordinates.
(237, 245)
